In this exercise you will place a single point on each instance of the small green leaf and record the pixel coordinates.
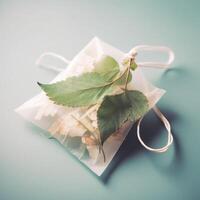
(89, 88)
(115, 110)
(133, 65)
(130, 62)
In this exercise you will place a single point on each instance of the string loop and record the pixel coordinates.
(161, 65)
(54, 68)
(168, 128)
(155, 64)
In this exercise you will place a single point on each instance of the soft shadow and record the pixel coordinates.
(169, 163)
(151, 129)
(178, 80)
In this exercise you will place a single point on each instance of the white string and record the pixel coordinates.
(160, 65)
(168, 128)
(56, 69)
(155, 64)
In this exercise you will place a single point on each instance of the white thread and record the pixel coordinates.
(170, 53)
(56, 69)
(132, 53)
(167, 126)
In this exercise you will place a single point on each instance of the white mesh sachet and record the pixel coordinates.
(65, 123)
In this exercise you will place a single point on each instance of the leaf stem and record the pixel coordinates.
(101, 147)
(128, 68)
(84, 125)
(98, 139)
(103, 153)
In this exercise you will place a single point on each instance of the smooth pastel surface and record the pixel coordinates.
(33, 167)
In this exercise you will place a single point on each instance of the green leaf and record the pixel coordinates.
(122, 80)
(130, 62)
(133, 65)
(107, 67)
(84, 90)
(89, 88)
(115, 110)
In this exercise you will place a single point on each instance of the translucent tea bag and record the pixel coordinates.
(71, 126)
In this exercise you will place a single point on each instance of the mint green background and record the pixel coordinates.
(33, 167)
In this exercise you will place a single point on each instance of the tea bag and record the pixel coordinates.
(72, 126)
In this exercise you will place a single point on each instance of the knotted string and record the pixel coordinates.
(132, 54)
(161, 65)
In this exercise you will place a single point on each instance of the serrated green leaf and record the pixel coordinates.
(89, 88)
(84, 90)
(115, 110)
(107, 67)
